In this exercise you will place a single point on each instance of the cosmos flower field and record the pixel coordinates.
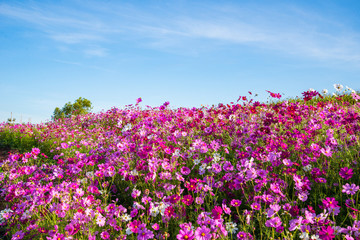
(245, 170)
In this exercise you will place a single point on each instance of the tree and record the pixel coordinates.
(80, 106)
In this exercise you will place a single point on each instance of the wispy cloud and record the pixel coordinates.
(293, 31)
(83, 65)
(96, 52)
(74, 38)
(315, 37)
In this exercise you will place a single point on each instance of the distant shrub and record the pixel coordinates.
(79, 107)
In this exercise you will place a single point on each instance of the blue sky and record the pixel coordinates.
(186, 52)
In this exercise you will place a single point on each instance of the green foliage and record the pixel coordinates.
(10, 139)
(11, 120)
(79, 107)
(343, 99)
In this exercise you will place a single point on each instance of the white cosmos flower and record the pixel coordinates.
(154, 211)
(134, 172)
(128, 231)
(126, 217)
(231, 227)
(90, 174)
(307, 168)
(196, 161)
(216, 157)
(338, 87)
(350, 89)
(324, 91)
(176, 153)
(127, 127)
(304, 236)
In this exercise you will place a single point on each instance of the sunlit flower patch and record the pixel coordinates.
(247, 170)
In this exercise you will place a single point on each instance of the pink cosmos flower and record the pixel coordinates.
(226, 209)
(326, 151)
(145, 234)
(295, 223)
(18, 235)
(100, 220)
(355, 96)
(244, 236)
(350, 189)
(199, 200)
(64, 145)
(134, 212)
(155, 226)
(287, 162)
(185, 170)
(274, 222)
(185, 234)
(349, 237)
(99, 174)
(35, 151)
(135, 193)
(314, 147)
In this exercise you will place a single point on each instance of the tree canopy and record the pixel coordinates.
(80, 106)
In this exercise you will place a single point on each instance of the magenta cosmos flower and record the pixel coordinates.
(155, 226)
(202, 233)
(346, 173)
(274, 222)
(326, 233)
(235, 203)
(105, 235)
(145, 234)
(256, 206)
(185, 170)
(187, 200)
(216, 212)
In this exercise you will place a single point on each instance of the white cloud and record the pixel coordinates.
(292, 31)
(96, 51)
(74, 38)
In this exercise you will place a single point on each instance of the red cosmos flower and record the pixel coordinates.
(187, 200)
(191, 186)
(174, 198)
(169, 211)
